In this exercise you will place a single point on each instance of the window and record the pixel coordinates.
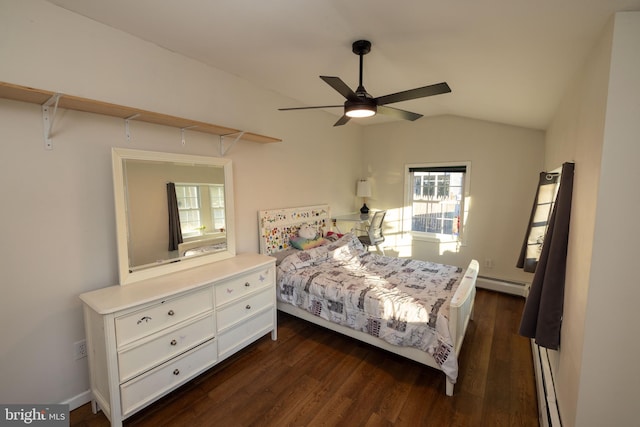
(216, 194)
(435, 199)
(201, 209)
(188, 198)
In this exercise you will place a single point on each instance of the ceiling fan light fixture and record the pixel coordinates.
(360, 103)
(360, 109)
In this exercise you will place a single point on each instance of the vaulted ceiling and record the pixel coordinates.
(508, 61)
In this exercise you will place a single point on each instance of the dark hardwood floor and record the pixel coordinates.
(311, 377)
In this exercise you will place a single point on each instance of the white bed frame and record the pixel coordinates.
(276, 226)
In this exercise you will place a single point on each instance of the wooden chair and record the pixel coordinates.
(374, 234)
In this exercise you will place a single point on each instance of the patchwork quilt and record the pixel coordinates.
(402, 301)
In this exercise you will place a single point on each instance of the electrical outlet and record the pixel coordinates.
(80, 349)
(488, 263)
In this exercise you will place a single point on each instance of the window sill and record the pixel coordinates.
(191, 237)
(436, 238)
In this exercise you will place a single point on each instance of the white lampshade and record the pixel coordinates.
(360, 112)
(363, 189)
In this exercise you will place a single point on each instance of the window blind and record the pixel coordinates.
(450, 169)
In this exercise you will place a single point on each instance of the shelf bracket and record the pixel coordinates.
(182, 133)
(127, 129)
(223, 149)
(48, 118)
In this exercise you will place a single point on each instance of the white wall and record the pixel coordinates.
(505, 163)
(576, 134)
(60, 237)
(609, 393)
(597, 126)
(58, 221)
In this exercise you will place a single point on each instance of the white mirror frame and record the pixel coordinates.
(127, 276)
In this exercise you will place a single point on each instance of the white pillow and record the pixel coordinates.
(307, 232)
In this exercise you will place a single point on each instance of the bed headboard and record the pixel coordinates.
(277, 226)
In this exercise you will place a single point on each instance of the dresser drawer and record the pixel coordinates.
(240, 310)
(164, 314)
(161, 347)
(148, 387)
(243, 285)
(244, 333)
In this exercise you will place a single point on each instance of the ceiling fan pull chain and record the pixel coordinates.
(360, 87)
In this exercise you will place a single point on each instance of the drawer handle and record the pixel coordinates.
(176, 372)
(173, 342)
(144, 319)
(171, 313)
(248, 307)
(247, 284)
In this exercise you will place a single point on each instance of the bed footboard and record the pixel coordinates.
(461, 307)
(461, 311)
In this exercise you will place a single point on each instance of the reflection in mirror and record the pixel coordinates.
(173, 212)
(196, 218)
(200, 208)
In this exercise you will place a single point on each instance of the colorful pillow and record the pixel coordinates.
(304, 244)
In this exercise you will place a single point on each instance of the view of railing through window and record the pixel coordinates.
(437, 200)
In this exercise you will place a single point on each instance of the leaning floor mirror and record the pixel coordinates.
(173, 212)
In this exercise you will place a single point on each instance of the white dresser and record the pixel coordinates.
(147, 338)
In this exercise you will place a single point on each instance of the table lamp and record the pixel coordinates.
(364, 190)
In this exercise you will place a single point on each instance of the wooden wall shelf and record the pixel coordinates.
(39, 96)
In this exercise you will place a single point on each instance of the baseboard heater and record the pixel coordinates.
(548, 412)
(506, 286)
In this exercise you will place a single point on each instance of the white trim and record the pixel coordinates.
(548, 411)
(542, 402)
(434, 237)
(408, 202)
(77, 401)
(504, 286)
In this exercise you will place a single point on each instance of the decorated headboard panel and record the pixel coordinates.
(277, 226)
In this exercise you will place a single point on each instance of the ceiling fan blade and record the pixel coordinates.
(398, 113)
(341, 87)
(309, 108)
(421, 92)
(344, 119)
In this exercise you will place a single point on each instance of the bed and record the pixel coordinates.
(416, 309)
(203, 246)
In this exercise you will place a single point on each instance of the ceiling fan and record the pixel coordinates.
(361, 104)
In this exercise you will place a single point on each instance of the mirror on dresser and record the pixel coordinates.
(152, 187)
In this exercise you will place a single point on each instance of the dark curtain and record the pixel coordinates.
(542, 315)
(175, 232)
(538, 221)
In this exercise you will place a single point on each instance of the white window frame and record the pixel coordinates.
(207, 210)
(408, 203)
(194, 232)
(216, 205)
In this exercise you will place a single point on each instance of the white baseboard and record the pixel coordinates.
(79, 400)
(549, 413)
(505, 286)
